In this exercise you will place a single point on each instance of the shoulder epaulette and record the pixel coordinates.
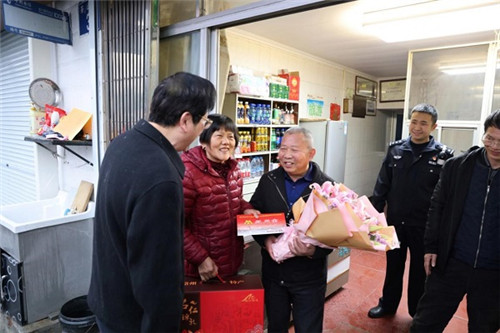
(445, 152)
(395, 143)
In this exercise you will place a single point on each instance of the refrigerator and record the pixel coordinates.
(330, 141)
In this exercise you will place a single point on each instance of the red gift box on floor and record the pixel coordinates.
(237, 305)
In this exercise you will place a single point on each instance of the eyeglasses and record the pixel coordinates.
(490, 142)
(207, 123)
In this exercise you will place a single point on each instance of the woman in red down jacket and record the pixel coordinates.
(213, 197)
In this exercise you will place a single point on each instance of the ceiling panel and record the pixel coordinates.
(335, 33)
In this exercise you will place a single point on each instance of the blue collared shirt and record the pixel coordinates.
(295, 189)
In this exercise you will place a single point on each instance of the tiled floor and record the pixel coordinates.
(346, 310)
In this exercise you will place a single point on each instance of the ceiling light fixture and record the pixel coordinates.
(432, 18)
(464, 69)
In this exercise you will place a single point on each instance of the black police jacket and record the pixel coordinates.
(406, 181)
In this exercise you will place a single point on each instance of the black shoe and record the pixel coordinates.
(379, 312)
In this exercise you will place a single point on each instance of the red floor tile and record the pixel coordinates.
(346, 310)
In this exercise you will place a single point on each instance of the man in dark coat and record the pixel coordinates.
(296, 285)
(405, 183)
(137, 263)
(462, 239)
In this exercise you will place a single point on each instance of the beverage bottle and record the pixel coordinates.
(249, 139)
(246, 109)
(239, 112)
(266, 139)
(268, 114)
(292, 116)
(253, 168)
(276, 114)
(240, 167)
(242, 142)
(248, 168)
(259, 116)
(260, 166)
(273, 139)
(252, 114)
(287, 116)
(278, 138)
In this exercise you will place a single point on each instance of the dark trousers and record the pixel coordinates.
(411, 238)
(305, 301)
(103, 328)
(444, 292)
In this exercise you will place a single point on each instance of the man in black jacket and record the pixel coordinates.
(462, 239)
(138, 264)
(405, 183)
(296, 285)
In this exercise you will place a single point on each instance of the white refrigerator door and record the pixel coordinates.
(318, 131)
(335, 150)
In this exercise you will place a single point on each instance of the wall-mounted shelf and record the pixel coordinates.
(42, 142)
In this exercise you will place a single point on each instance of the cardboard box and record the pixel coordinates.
(237, 305)
(247, 85)
(76, 121)
(264, 224)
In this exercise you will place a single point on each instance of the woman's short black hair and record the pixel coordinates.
(219, 121)
(493, 120)
(179, 93)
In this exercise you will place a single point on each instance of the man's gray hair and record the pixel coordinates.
(304, 131)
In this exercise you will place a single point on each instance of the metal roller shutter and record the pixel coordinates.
(17, 157)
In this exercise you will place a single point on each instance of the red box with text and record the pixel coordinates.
(236, 305)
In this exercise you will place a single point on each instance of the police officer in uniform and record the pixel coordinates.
(403, 190)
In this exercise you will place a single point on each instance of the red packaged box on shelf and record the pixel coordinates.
(273, 223)
(235, 305)
(293, 82)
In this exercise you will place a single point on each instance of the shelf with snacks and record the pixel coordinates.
(261, 123)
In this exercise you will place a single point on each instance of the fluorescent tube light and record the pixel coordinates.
(432, 19)
(468, 70)
(460, 69)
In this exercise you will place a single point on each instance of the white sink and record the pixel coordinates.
(40, 214)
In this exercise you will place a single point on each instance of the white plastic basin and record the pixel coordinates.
(40, 214)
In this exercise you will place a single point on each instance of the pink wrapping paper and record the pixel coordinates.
(334, 216)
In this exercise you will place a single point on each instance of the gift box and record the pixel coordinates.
(235, 305)
(293, 83)
(264, 224)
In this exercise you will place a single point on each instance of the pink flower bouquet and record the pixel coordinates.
(335, 216)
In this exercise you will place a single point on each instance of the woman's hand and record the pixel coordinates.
(207, 269)
(253, 212)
